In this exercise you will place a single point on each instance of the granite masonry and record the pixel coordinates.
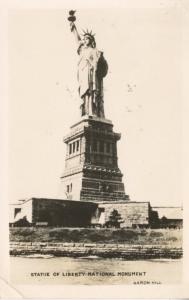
(91, 167)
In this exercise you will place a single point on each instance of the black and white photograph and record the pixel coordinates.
(94, 148)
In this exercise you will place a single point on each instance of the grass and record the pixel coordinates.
(172, 237)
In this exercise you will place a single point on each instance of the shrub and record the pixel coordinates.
(156, 234)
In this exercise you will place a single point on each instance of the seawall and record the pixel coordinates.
(130, 252)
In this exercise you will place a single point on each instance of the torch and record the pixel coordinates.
(72, 18)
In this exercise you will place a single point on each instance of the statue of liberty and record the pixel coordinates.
(92, 68)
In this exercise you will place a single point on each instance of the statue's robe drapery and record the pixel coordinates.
(92, 67)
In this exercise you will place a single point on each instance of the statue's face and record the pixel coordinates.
(87, 40)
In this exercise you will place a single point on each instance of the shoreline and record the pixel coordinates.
(76, 250)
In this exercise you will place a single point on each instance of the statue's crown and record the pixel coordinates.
(89, 33)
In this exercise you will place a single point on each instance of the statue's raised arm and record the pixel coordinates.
(75, 32)
(92, 67)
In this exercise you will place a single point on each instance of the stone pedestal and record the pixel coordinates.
(91, 168)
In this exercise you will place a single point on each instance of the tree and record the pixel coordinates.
(114, 219)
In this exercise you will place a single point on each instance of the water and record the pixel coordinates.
(94, 270)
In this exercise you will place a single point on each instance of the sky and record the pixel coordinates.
(142, 96)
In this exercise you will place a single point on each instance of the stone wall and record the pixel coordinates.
(55, 212)
(102, 250)
(63, 212)
(132, 213)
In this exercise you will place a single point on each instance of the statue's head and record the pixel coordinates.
(88, 39)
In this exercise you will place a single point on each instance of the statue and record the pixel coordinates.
(92, 68)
